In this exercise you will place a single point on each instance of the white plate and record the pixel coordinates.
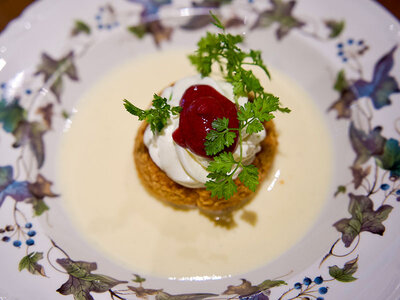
(50, 55)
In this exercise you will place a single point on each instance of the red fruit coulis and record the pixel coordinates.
(201, 105)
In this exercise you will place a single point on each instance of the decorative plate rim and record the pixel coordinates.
(358, 93)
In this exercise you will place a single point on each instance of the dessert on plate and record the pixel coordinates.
(208, 141)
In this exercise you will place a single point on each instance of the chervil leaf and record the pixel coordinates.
(134, 110)
(229, 138)
(157, 116)
(222, 163)
(223, 189)
(160, 102)
(249, 177)
(254, 126)
(256, 57)
(176, 110)
(245, 112)
(217, 22)
(264, 106)
(222, 184)
(223, 50)
(221, 137)
(220, 124)
(239, 88)
(215, 142)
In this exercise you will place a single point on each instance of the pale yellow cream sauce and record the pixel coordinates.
(103, 195)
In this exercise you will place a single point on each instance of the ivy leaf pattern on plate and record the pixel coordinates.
(11, 114)
(359, 174)
(281, 13)
(13, 117)
(149, 22)
(363, 218)
(346, 98)
(18, 190)
(81, 27)
(159, 32)
(382, 84)
(54, 71)
(46, 112)
(246, 288)
(335, 27)
(82, 282)
(31, 133)
(40, 189)
(365, 144)
(346, 273)
(269, 284)
(203, 20)
(30, 263)
(141, 292)
(390, 159)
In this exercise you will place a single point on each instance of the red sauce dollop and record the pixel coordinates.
(201, 105)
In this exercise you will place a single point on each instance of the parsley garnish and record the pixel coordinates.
(222, 49)
(157, 116)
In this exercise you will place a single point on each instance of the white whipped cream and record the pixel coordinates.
(180, 164)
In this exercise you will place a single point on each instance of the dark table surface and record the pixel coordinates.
(10, 9)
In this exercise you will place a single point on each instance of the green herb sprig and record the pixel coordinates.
(222, 49)
(157, 116)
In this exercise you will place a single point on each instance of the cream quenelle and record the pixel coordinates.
(180, 164)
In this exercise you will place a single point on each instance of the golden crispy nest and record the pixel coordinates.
(170, 192)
